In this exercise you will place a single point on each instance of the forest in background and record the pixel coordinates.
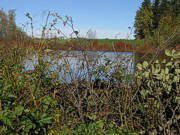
(158, 20)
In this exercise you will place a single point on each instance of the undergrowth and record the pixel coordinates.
(38, 103)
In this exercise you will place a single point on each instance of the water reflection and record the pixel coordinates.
(74, 65)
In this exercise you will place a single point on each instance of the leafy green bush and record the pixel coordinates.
(21, 120)
(25, 105)
(159, 89)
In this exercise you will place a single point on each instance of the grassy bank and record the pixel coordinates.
(98, 45)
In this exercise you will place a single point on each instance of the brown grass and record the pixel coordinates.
(75, 45)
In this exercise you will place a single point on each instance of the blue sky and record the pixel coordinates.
(107, 17)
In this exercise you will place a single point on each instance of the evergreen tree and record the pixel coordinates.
(143, 20)
(164, 7)
(158, 20)
(175, 4)
(146, 4)
(156, 14)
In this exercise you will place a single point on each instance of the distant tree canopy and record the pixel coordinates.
(8, 27)
(157, 14)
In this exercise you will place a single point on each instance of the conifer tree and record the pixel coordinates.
(162, 17)
(143, 20)
(146, 4)
(156, 13)
(175, 4)
(164, 7)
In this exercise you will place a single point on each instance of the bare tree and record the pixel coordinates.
(91, 34)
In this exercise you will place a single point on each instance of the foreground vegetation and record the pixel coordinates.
(38, 103)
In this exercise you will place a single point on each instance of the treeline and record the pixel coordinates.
(157, 16)
(8, 28)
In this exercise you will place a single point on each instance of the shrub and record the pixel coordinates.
(159, 90)
(38, 103)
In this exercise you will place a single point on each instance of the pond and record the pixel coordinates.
(75, 65)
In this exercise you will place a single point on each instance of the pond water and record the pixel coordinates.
(74, 65)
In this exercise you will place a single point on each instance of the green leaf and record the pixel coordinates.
(28, 125)
(145, 64)
(45, 120)
(177, 55)
(166, 70)
(156, 71)
(146, 74)
(144, 93)
(26, 110)
(139, 66)
(100, 124)
(167, 77)
(92, 117)
(176, 79)
(169, 88)
(19, 110)
(159, 77)
(7, 121)
(12, 96)
(108, 68)
(173, 52)
(177, 100)
(33, 88)
(169, 64)
(156, 62)
(177, 71)
(168, 52)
